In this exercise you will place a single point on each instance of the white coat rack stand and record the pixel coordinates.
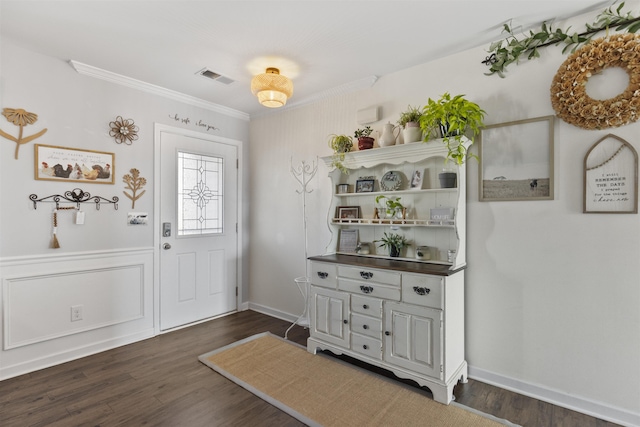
(303, 173)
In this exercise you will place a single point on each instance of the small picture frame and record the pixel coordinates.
(348, 241)
(348, 212)
(416, 179)
(137, 218)
(365, 185)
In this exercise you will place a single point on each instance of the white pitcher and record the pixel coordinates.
(389, 135)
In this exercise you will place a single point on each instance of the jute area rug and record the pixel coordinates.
(322, 391)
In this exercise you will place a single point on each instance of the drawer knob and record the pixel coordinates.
(365, 306)
(323, 274)
(366, 275)
(366, 289)
(421, 291)
(387, 333)
(365, 327)
(345, 321)
(365, 347)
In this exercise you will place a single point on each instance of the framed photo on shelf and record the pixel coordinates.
(348, 241)
(516, 160)
(72, 164)
(416, 179)
(348, 212)
(365, 185)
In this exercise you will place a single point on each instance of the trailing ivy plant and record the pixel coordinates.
(509, 50)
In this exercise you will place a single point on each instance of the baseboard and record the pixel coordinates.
(575, 403)
(76, 353)
(272, 312)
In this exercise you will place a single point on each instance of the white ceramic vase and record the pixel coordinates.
(412, 134)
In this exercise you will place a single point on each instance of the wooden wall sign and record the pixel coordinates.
(611, 177)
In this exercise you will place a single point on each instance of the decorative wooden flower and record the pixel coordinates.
(20, 118)
(134, 183)
(123, 130)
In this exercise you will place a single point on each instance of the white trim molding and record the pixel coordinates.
(556, 397)
(91, 71)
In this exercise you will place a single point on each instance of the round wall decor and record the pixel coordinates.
(568, 89)
(391, 181)
(123, 130)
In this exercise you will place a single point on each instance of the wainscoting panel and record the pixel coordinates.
(60, 307)
(101, 297)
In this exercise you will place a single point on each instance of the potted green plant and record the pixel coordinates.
(340, 144)
(394, 242)
(365, 140)
(390, 207)
(452, 117)
(410, 122)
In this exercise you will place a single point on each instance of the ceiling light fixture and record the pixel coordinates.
(271, 88)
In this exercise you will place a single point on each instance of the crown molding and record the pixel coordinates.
(109, 76)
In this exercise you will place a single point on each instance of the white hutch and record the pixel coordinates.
(404, 314)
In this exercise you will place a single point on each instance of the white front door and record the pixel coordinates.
(198, 227)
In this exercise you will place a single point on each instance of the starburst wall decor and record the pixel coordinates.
(123, 130)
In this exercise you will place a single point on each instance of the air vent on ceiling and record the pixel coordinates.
(205, 72)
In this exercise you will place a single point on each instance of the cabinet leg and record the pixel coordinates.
(442, 394)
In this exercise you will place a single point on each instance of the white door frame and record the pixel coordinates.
(158, 129)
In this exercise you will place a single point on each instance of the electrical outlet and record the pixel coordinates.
(76, 313)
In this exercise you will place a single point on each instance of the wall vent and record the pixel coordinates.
(205, 72)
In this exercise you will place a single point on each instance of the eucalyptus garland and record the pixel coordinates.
(509, 50)
(568, 89)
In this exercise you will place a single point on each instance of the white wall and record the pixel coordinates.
(104, 265)
(552, 293)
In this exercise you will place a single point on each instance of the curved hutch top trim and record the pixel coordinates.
(394, 154)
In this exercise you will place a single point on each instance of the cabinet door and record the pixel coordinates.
(413, 338)
(329, 316)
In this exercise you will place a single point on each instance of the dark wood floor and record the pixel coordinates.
(160, 382)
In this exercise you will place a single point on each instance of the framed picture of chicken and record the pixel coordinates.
(72, 164)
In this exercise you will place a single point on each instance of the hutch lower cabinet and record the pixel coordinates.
(402, 316)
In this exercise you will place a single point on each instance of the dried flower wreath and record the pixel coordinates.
(568, 92)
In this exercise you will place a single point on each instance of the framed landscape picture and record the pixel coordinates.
(54, 163)
(516, 160)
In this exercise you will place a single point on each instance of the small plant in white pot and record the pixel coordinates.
(410, 122)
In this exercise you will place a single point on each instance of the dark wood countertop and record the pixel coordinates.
(388, 264)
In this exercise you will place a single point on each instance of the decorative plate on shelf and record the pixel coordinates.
(391, 181)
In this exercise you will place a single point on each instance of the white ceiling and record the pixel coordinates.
(320, 45)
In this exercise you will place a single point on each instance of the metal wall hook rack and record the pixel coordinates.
(76, 196)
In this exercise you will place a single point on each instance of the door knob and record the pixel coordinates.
(166, 246)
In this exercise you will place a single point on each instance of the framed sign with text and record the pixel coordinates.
(611, 177)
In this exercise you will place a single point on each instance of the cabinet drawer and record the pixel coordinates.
(366, 326)
(370, 275)
(365, 305)
(366, 345)
(424, 290)
(323, 274)
(369, 288)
